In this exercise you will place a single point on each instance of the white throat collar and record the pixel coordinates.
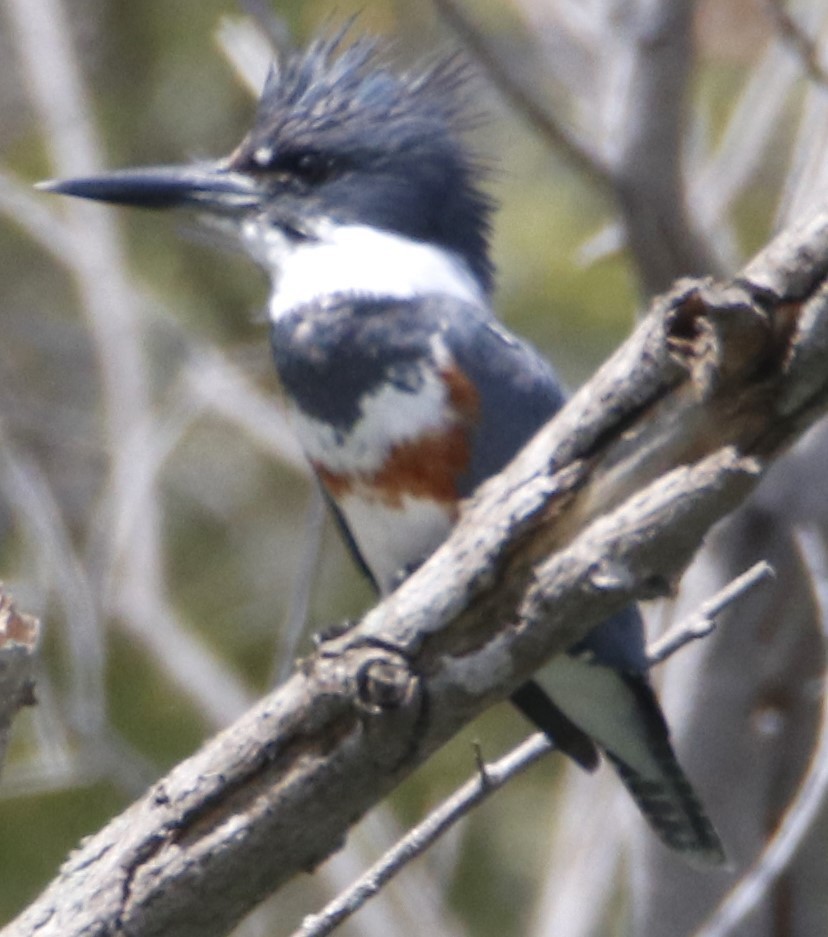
(357, 260)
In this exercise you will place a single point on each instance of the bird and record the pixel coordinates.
(357, 192)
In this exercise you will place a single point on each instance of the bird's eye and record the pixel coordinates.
(307, 166)
(310, 167)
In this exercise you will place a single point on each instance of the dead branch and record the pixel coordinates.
(607, 504)
(492, 777)
(516, 88)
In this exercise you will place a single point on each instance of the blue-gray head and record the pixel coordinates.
(340, 141)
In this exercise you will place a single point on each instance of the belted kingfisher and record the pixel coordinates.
(355, 192)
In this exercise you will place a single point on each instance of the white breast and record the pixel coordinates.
(392, 533)
(388, 417)
(393, 539)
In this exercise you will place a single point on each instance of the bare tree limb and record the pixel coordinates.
(491, 777)
(634, 111)
(606, 504)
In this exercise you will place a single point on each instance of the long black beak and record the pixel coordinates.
(211, 188)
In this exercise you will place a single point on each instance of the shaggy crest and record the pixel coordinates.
(323, 93)
(335, 113)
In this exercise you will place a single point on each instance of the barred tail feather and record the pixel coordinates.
(620, 712)
(672, 809)
(660, 787)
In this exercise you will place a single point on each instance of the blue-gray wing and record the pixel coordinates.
(599, 691)
(518, 393)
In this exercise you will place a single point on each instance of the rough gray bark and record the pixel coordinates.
(607, 503)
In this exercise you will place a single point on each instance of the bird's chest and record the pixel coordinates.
(386, 424)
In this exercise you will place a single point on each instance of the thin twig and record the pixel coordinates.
(702, 621)
(793, 35)
(488, 779)
(575, 148)
(809, 799)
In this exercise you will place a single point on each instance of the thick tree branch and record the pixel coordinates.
(489, 778)
(607, 504)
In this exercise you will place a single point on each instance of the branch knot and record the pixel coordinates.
(385, 683)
